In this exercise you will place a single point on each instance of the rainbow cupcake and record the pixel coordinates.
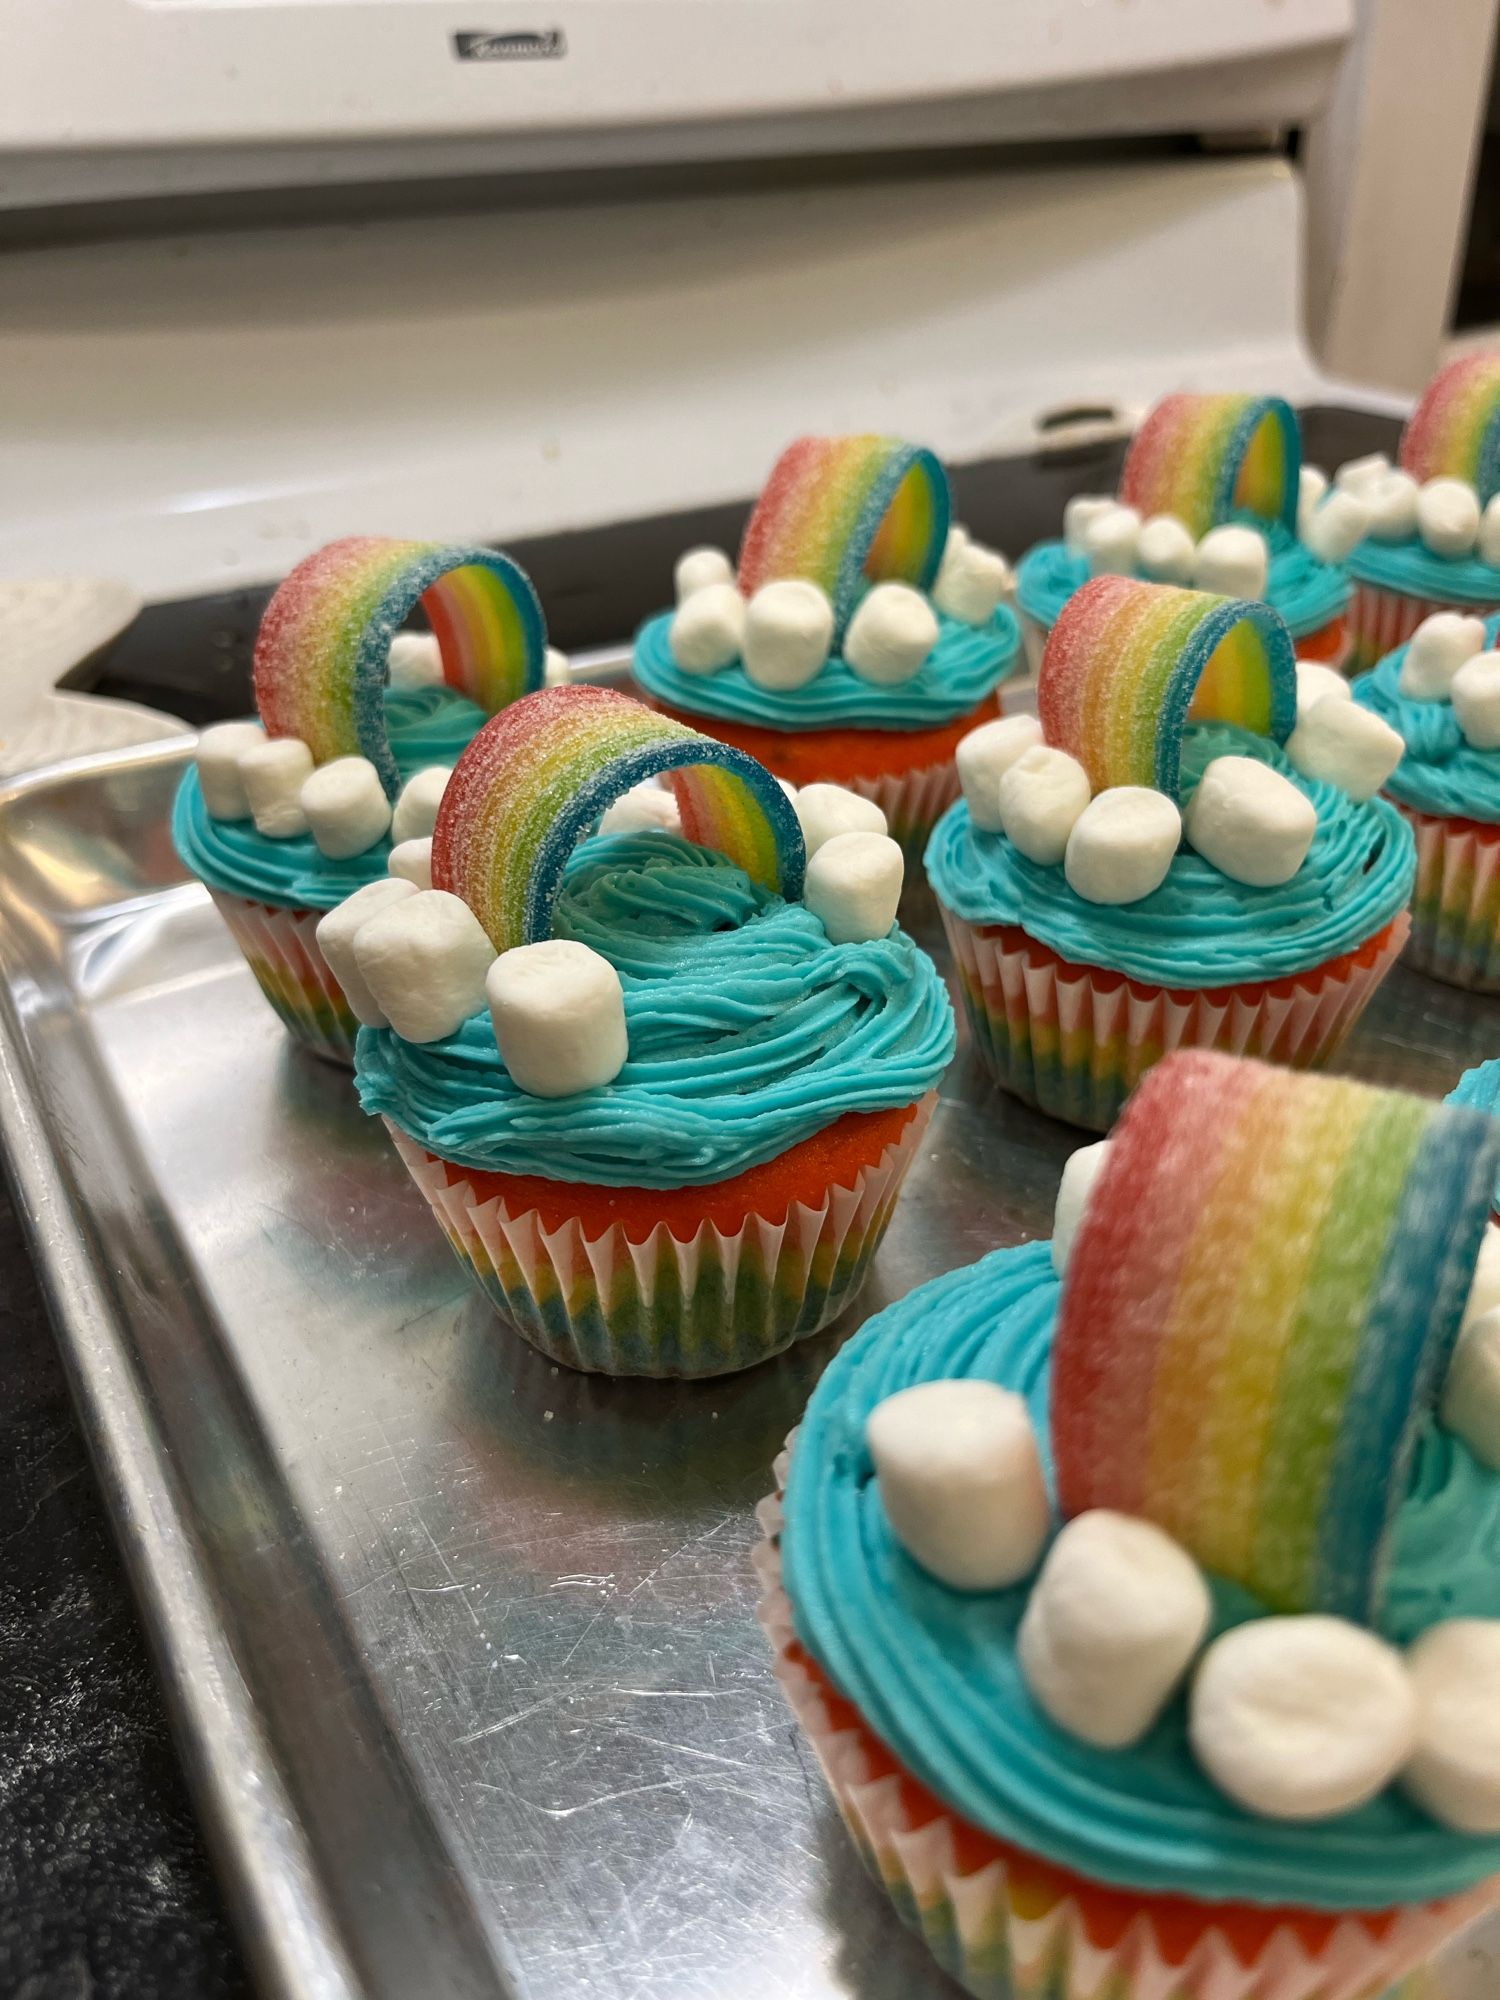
(1164, 860)
(359, 725)
(861, 636)
(1211, 494)
(665, 1126)
(1146, 1619)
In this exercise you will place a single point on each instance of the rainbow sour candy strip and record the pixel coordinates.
(1260, 1308)
(840, 510)
(1203, 457)
(1129, 664)
(536, 778)
(322, 650)
(1455, 429)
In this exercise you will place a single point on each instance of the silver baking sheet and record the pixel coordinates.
(461, 1647)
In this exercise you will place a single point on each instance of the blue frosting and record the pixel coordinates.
(749, 1032)
(1441, 772)
(1199, 929)
(1411, 568)
(934, 1672)
(427, 726)
(1480, 1088)
(968, 662)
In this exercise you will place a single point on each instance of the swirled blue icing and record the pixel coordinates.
(1480, 1088)
(427, 726)
(1411, 568)
(749, 1032)
(967, 663)
(1306, 591)
(933, 1671)
(1441, 772)
(1199, 929)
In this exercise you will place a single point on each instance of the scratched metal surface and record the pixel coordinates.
(462, 1647)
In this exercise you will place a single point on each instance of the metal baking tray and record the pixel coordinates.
(461, 1647)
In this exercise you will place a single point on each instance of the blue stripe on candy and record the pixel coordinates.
(1199, 649)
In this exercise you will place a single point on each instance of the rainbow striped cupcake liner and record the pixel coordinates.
(1009, 1934)
(1075, 1041)
(711, 1305)
(281, 949)
(1382, 620)
(1455, 933)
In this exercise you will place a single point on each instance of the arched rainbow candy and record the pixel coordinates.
(1129, 664)
(841, 510)
(1204, 457)
(1454, 431)
(536, 778)
(322, 650)
(1259, 1309)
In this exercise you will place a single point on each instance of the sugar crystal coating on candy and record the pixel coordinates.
(1202, 457)
(1455, 429)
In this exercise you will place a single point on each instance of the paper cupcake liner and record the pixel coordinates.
(281, 949)
(1382, 620)
(1075, 1040)
(1010, 1927)
(913, 801)
(714, 1303)
(1455, 932)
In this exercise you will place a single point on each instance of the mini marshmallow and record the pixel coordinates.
(1488, 546)
(891, 634)
(346, 807)
(1358, 475)
(983, 758)
(1234, 561)
(218, 759)
(853, 886)
(1301, 1718)
(1122, 845)
(1041, 797)
(645, 808)
(417, 808)
(1314, 682)
(788, 633)
(1110, 542)
(1079, 512)
(961, 1481)
(1470, 1408)
(336, 934)
(1393, 507)
(415, 661)
(1250, 822)
(423, 962)
(1080, 1171)
(1312, 486)
(971, 584)
(555, 669)
(1114, 1622)
(1454, 1773)
(273, 773)
(697, 569)
(1166, 549)
(1475, 695)
(1448, 516)
(826, 810)
(1484, 1293)
(411, 861)
(1345, 745)
(708, 629)
(1335, 530)
(1435, 652)
(559, 1016)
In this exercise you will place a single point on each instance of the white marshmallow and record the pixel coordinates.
(1041, 797)
(1314, 682)
(1436, 651)
(1345, 745)
(854, 886)
(698, 568)
(891, 634)
(1249, 822)
(218, 759)
(1475, 695)
(1312, 486)
(1166, 549)
(971, 584)
(983, 758)
(423, 961)
(1122, 844)
(417, 808)
(708, 629)
(559, 1015)
(1358, 475)
(273, 773)
(336, 934)
(1301, 1718)
(1080, 1171)
(1335, 530)
(826, 810)
(1448, 516)
(1471, 1395)
(1393, 507)
(1484, 1292)
(411, 861)
(1082, 509)
(555, 669)
(1234, 561)
(1454, 1773)
(345, 806)
(788, 633)
(1110, 541)
(1114, 1622)
(961, 1481)
(645, 808)
(1488, 547)
(415, 661)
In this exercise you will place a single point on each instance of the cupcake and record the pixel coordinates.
(337, 784)
(1211, 495)
(1431, 538)
(1163, 860)
(660, 1089)
(1145, 1620)
(858, 641)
